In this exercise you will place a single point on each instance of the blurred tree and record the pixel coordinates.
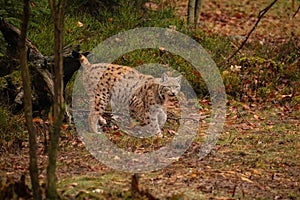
(33, 166)
(194, 10)
(57, 11)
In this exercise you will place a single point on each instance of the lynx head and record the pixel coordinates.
(170, 86)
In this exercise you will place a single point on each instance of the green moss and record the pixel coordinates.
(296, 99)
(11, 126)
(100, 187)
(15, 78)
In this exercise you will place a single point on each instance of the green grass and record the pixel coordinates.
(266, 156)
(109, 185)
(97, 28)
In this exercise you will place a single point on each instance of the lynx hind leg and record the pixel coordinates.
(93, 122)
(94, 119)
(97, 108)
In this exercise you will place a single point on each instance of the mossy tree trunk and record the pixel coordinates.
(57, 10)
(33, 166)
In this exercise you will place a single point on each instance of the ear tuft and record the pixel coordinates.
(178, 78)
(164, 78)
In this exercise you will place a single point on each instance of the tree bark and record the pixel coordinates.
(33, 166)
(197, 12)
(194, 10)
(57, 11)
(191, 12)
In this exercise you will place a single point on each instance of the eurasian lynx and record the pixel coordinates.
(127, 90)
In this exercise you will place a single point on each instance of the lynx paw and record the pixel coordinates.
(94, 123)
(102, 121)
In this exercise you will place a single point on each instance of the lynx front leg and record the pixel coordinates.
(161, 117)
(149, 126)
(156, 114)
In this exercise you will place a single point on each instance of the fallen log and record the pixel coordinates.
(41, 66)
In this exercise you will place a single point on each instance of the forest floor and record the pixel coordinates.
(256, 156)
(236, 18)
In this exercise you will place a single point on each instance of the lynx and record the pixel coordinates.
(127, 91)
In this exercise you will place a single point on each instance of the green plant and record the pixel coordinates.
(11, 128)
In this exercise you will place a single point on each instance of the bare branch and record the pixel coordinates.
(260, 16)
(294, 15)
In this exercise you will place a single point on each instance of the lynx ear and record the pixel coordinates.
(164, 78)
(178, 78)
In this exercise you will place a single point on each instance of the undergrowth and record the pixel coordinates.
(12, 132)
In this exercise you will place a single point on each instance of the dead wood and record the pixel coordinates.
(41, 66)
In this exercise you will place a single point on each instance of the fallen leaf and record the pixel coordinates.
(79, 24)
(246, 179)
(74, 184)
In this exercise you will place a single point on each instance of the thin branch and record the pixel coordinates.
(260, 16)
(294, 15)
(52, 8)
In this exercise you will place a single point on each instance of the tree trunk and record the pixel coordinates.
(197, 12)
(58, 111)
(191, 12)
(33, 166)
(194, 10)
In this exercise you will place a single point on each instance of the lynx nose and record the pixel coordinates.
(172, 94)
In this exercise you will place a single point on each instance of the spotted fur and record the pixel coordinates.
(127, 91)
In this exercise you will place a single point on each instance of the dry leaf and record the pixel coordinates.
(246, 179)
(79, 24)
